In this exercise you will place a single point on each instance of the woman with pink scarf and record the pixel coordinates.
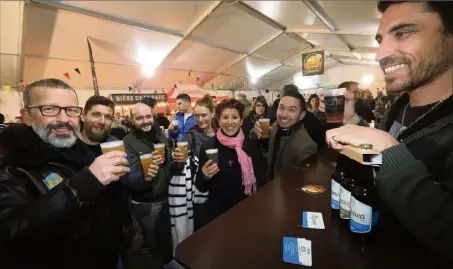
(240, 168)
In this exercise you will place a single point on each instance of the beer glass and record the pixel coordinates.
(213, 155)
(146, 160)
(113, 146)
(184, 147)
(265, 127)
(334, 103)
(160, 148)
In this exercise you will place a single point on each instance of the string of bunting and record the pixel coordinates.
(67, 75)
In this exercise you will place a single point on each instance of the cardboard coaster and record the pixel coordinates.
(314, 189)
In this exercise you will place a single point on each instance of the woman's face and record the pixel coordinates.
(203, 116)
(314, 102)
(259, 108)
(230, 121)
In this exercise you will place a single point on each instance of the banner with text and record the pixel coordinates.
(313, 63)
(131, 98)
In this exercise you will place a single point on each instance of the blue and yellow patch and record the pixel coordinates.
(52, 180)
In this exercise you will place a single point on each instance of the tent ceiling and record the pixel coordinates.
(223, 42)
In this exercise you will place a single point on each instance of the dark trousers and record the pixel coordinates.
(156, 249)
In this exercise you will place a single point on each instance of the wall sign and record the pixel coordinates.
(131, 98)
(313, 63)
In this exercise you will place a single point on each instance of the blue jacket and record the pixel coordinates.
(183, 128)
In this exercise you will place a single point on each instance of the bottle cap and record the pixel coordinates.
(366, 146)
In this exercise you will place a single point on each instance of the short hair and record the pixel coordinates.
(206, 101)
(98, 100)
(298, 96)
(51, 83)
(184, 97)
(442, 8)
(290, 87)
(2, 118)
(260, 99)
(230, 103)
(151, 102)
(348, 84)
(312, 96)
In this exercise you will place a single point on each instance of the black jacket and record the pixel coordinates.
(136, 144)
(416, 177)
(54, 225)
(314, 128)
(225, 188)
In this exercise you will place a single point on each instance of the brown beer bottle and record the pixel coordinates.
(345, 197)
(364, 204)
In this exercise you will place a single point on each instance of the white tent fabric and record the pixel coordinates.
(227, 44)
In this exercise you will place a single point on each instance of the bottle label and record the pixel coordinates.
(335, 197)
(375, 219)
(361, 217)
(345, 203)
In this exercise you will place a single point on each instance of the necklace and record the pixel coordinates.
(402, 128)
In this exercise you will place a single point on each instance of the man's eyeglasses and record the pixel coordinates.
(53, 111)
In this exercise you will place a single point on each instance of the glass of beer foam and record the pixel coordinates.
(213, 155)
(146, 160)
(184, 147)
(334, 103)
(113, 146)
(265, 127)
(160, 148)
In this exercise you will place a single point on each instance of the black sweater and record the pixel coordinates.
(225, 188)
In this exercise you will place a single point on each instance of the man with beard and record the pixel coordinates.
(52, 210)
(289, 142)
(416, 135)
(98, 119)
(149, 189)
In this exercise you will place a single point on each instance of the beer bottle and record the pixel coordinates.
(364, 204)
(337, 178)
(345, 197)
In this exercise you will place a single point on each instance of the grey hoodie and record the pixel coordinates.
(197, 136)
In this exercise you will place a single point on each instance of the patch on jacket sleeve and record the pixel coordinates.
(52, 180)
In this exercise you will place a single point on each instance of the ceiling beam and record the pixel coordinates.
(327, 31)
(107, 17)
(270, 21)
(243, 56)
(317, 9)
(123, 21)
(208, 11)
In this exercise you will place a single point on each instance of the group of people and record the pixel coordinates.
(66, 204)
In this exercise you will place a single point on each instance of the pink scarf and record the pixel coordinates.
(248, 176)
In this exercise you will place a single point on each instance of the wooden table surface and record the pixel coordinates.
(250, 234)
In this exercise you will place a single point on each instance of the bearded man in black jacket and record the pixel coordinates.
(53, 211)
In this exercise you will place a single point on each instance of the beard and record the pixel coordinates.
(140, 128)
(434, 62)
(96, 136)
(58, 141)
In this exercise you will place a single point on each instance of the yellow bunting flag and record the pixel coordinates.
(87, 66)
(121, 84)
(7, 88)
(102, 76)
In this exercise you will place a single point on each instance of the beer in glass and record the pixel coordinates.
(213, 155)
(146, 160)
(184, 147)
(113, 146)
(334, 104)
(160, 148)
(265, 127)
